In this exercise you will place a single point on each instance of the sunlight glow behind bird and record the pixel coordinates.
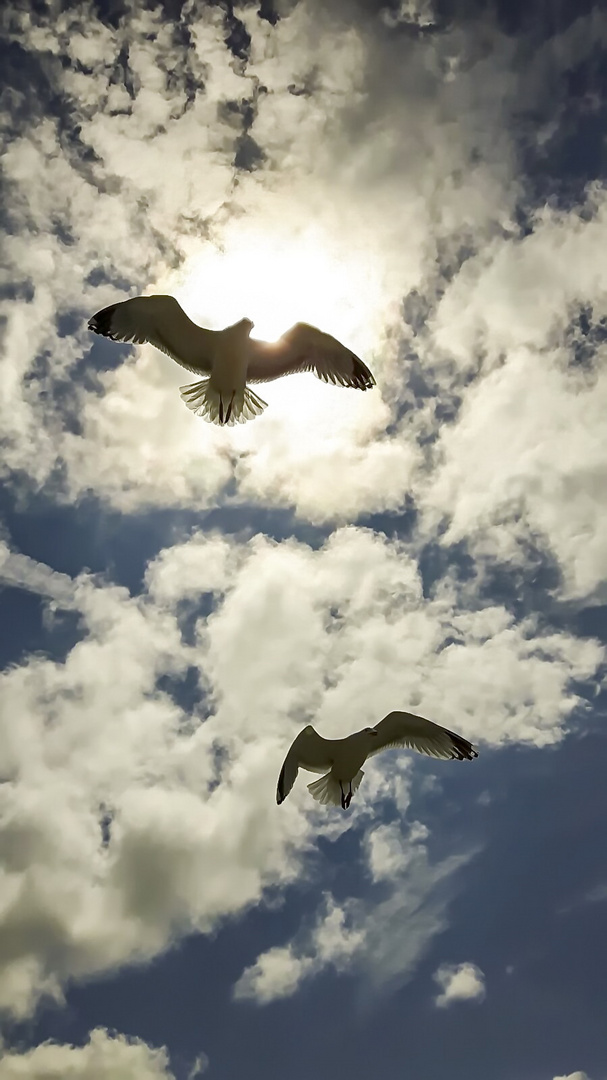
(277, 276)
(279, 279)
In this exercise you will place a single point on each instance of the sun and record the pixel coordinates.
(280, 279)
(278, 275)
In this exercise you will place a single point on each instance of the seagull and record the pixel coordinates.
(229, 359)
(341, 759)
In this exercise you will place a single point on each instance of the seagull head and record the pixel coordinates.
(242, 327)
(372, 731)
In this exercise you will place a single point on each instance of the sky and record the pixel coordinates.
(426, 180)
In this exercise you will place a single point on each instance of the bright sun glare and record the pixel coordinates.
(280, 280)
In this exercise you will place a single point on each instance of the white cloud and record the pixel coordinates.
(384, 157)
(26, 573)
(525, 459)
(574, 1076)
(102, 767)
(539, 277)
(375, 202)
(384, 154)
(387, 853)
(103, 1057)
(382, 937)
(279, 972)
(459, 982)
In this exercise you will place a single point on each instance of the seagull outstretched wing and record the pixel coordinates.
(415, 733)
(304, 348)
(161, 321)
(308, 751)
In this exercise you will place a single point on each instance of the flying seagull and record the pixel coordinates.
(341, 759)
(229, 359)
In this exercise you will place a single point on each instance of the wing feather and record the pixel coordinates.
(401, 729)
(161, 321)
(304, 348)
(308, 751)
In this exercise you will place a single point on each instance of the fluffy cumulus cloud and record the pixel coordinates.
(103, 757)
(305, 181)
(303, 103)
(103, 1057)
(526, 457)
(362, 173)
(459, 982)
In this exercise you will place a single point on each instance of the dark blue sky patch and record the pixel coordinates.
(184, 689)
(436, 561)
(26, 629)
(398, 524)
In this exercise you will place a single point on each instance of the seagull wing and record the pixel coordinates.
(414, 733)
(309, 751)
(304, 348)
(162, 322)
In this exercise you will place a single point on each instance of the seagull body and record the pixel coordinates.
(229, 358)
(341, 760)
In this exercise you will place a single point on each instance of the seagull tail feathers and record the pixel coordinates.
(328, 790)
(224, 409)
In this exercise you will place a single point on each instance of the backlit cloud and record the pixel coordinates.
(378, 169)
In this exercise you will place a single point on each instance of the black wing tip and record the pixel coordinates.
(462, 749)
(362, 379)
(280, 789)
(101, 321)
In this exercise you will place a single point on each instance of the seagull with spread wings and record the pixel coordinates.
(230, 358)
(341, 759)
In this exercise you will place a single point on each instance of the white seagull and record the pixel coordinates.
(341, 759)
(229, 359)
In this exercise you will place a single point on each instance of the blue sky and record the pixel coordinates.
(425, 180)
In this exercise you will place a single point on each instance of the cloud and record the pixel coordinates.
(26, 573)
(280, 971)
(459, 982)
(310, 93)
(574, 1076)
(387, 170)
(382, 936)
(199, 1066)
(502, 477)
(349, 172)
(104, 1057)
(103, 759)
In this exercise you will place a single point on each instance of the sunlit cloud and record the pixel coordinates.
(357, 167)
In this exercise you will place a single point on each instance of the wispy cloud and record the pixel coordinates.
(383, 936)
(25, 573)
